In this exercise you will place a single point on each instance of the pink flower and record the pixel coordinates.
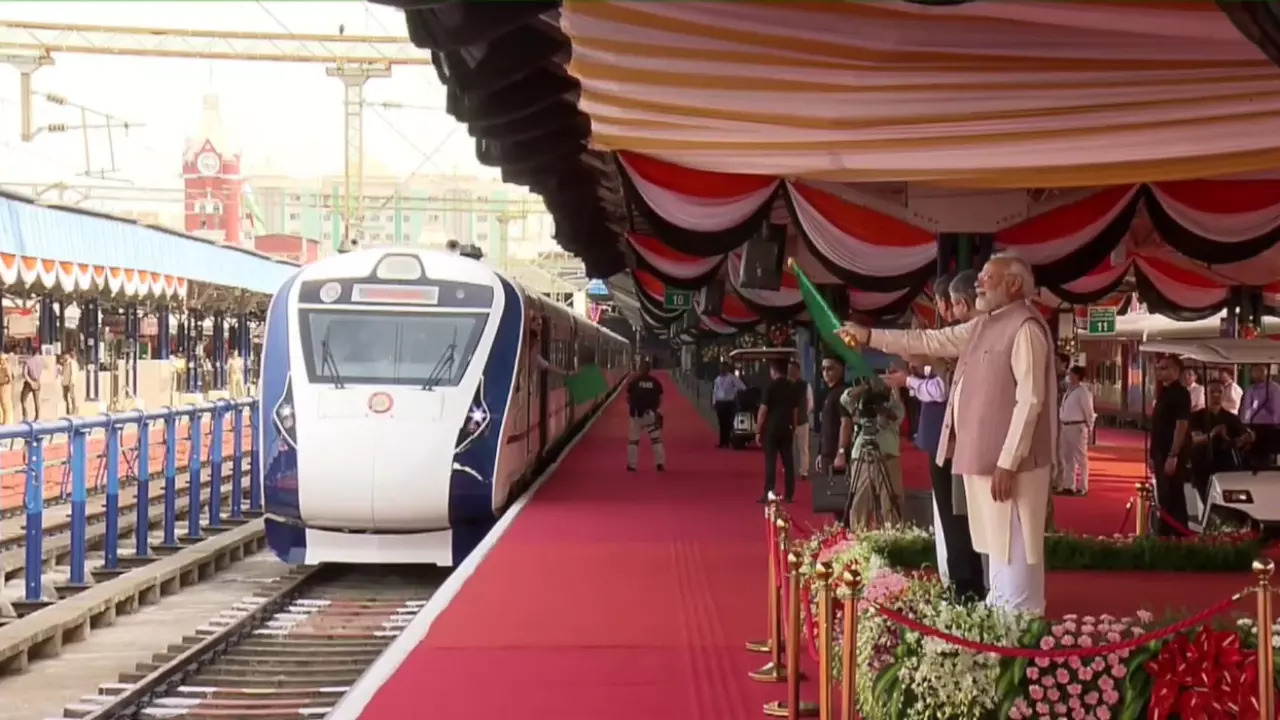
(1057, 630)
(1112, 659)
(1087, 629)
(1090, 620)
(1042, 708)
(1046, 643)
(1123, 653)
(1113, 637)
(1074, 689)
(1145, 617)
(1036, 692)
(1054, 695)
(1110, 697)
(1085, 674)
(1048, 681)
(1073, 662)
(1042, 662)
(1033, 673)
(1103, 713)
(1098, 664)
(1107, 684)
(1118, 671)
(1091, 697)
(1060, 708)
(1068, 641)
(1062, 676)
(1077, 714)
(1072, 616)
(1070, 626)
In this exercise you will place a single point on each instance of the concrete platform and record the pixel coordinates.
(42, 634)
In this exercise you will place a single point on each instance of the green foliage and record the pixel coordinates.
(1076, 552)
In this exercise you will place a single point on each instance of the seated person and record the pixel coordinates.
(877, 491)
(1217, 438)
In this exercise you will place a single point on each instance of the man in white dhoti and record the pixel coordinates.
(1004, 439)
(1075, 427)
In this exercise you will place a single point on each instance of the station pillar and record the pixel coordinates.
(91, 321)
(219, 379)
(46, 323)
(163, 323)
(131, 339)
(195, 319)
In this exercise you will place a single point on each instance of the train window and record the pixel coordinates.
(378, 348)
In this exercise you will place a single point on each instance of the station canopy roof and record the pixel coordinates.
(1119, 145)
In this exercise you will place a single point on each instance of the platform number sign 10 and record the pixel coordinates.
(677, 299)
(1102, 321)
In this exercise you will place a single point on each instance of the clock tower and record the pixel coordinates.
(212, 183)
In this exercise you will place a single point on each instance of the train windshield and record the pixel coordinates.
(389, 348)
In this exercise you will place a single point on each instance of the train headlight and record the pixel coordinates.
(286, 418)
(380, 402)
(330, 291)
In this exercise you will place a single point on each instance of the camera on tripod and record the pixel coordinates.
(873, 405)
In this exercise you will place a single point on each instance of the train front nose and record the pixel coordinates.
(383, 466)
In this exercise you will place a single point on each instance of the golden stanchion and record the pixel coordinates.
(792, 708)
(775, 670)
(852, 584)
(1262, 569)
(774, 603)
(1142, 508)
(826, 641)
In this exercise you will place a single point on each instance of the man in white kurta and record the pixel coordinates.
(1075, 427)
(1007, 509)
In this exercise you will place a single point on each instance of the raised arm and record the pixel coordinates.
(946, 342)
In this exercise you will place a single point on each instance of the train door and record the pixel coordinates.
(544, 349)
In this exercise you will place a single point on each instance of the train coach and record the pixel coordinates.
(406, 398)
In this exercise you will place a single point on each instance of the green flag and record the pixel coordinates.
(586, 385)
(825, 323)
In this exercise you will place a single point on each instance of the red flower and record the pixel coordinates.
(1206, 676)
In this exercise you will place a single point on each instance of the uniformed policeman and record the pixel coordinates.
(644, 399)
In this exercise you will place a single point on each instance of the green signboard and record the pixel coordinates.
(678, 299)
(1102, 321)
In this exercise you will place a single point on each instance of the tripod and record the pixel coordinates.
(872, 499)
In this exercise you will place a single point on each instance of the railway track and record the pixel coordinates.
(290, 651)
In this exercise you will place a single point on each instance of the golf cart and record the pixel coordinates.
(1247, 499)
(752, 366)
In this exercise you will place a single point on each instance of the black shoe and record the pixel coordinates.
(662, 468)
(788, 500)
(630, 469)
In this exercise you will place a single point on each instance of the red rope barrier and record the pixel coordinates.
(1186, 532)
(1128, 514)
(1060, 653)
(810, 628)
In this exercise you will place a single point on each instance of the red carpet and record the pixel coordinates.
(612, 595)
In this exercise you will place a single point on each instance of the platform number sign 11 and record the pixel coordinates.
(1102, 321)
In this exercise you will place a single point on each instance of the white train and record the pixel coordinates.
(403, 405)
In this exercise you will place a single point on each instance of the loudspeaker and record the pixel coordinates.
(713, 297)
(762, 259)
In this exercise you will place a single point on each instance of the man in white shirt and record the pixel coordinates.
(804, 409)
(1231, 392)
(724, 398)
(1189, 378)
(1075, 427)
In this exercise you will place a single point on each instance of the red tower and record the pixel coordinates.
(212, 182)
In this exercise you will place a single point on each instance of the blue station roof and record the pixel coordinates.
(81, 236)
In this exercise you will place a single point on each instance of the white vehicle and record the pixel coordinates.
(1241, 499)
(406, 398)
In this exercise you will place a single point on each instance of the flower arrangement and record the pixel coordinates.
(909, 673)
(914, 548)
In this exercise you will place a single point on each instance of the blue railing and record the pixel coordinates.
(221, 415)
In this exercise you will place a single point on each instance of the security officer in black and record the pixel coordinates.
(644, 400)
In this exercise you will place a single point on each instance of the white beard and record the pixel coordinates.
(988, 302)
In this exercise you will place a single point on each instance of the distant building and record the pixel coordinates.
(425, 210)
(212, 186)
(288, 247)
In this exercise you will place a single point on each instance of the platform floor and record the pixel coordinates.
(629, 595)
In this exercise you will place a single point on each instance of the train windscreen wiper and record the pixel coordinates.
(328, 363)
(444, 365)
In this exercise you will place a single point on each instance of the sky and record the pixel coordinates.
(287, 118)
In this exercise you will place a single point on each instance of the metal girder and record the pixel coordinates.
(50, 38)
